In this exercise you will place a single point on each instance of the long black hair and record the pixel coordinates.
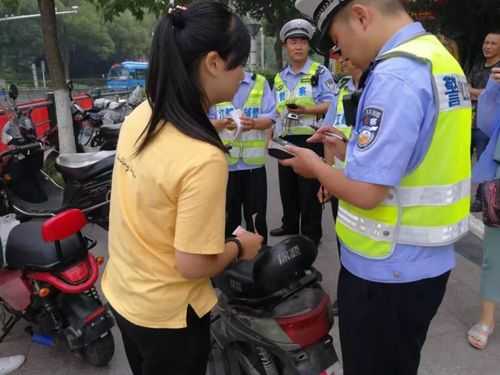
(181, 39)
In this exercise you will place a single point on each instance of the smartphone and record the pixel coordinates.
(277, 149)
(292, 106)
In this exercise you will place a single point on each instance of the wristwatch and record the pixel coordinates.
(240, 247)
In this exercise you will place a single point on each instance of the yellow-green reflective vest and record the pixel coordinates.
(250, 146)
(340, 120)
(431, 206)
(302, 95)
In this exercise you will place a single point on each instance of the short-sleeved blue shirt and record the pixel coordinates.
(399, 92)
(323, 92)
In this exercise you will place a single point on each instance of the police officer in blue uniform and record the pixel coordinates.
(396, 257)
(303, 92)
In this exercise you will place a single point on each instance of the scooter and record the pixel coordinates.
(48, 278)
(29, 191)
(273, 317)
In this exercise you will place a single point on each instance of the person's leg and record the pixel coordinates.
(335, 211)
(310, 208)
(255, 200)
(418, 304)
(288, 181)
(132, 351)
(233, 202)
(368, 335)
(490, 289)
(171, 351)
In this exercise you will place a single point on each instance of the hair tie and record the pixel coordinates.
(177, 14)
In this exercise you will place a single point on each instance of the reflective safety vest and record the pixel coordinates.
(340, 120)
(301, 95)
(250, 146)
(431, 206)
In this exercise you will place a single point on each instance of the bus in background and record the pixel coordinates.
(127, 75)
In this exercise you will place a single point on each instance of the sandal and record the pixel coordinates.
(478, 335)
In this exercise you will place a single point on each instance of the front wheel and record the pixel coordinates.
(100, 352)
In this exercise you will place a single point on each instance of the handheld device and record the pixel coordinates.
(277, 149)
(292, 106)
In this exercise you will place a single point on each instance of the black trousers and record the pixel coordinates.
(167, 351)
(335, 212)
(384, 326)
(301, 208)
(247, 189)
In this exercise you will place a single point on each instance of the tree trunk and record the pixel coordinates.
(57, 80)
(278, 49)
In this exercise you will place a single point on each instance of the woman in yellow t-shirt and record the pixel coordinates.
(167, 216)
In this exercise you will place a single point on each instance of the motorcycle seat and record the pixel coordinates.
(26, 249)
(86, 165)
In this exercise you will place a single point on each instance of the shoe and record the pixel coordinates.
(9, 364)
(476, 206)
(478, 335)
(282, 231)
(335, 308)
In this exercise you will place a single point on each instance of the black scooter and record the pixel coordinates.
(273, 317)
(29, 191)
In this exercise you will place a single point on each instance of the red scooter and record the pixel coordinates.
(48, 278)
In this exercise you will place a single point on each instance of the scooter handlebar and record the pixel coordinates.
(20, 149)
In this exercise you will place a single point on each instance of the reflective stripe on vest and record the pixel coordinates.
(301, 95)
(340, 120)
(250, 145)
(431, 206)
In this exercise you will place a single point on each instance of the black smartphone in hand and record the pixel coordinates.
(292, 106)
(277, 149)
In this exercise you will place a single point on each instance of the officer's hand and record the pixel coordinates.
(300, 110)
(304, 163)
(323, 195)
(495, 74)
(334, 145)
(248, 123)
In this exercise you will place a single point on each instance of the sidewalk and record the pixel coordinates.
(446, 351)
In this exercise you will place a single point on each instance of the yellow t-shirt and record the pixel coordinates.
(170, 196)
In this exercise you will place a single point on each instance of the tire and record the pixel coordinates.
(100, 352)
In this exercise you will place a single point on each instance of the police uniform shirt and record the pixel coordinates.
(267, 110)
(398, 106)
(331, 116)
(323, 92)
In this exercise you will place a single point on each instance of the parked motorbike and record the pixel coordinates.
(273, 317)
(47, 277)
(28, 190)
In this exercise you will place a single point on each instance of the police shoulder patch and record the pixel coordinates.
(371, 120)
(330, 84)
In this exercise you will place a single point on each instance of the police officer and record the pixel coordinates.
(303, 92)
(405, 192)
(247, 183)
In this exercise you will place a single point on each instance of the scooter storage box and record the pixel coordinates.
(274, 269)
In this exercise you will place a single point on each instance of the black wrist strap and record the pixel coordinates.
(239, 244)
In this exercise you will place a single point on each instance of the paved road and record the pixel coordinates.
(445, 353)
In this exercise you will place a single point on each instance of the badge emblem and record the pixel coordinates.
(370, 126)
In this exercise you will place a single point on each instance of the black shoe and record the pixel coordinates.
(335, 308)
(282, 232)
(476, 206)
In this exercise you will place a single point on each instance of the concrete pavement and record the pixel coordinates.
(446, 351)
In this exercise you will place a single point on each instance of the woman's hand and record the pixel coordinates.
(248, 123)
(251, 242)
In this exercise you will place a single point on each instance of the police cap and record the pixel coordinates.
(321, 12)
(297, 28)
